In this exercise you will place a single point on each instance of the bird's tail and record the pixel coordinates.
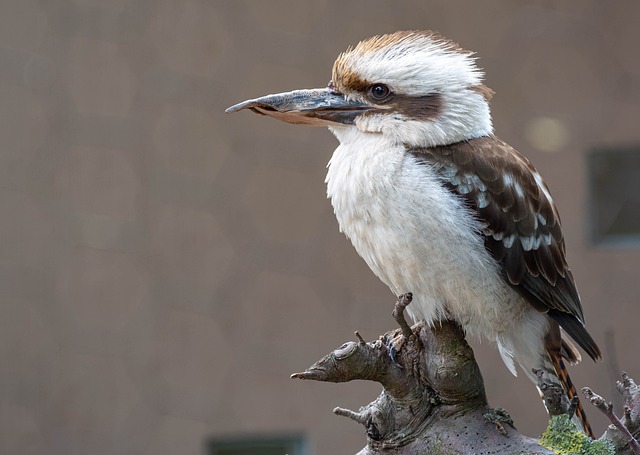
(548, 358)
(548, 355)
(554, 371)
(561, 372)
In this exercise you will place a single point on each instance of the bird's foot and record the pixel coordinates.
(394, 346)
(396, 342)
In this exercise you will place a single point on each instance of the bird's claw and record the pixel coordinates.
(394, 346)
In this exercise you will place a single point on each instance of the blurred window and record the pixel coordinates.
(614, 196)
(294, 445)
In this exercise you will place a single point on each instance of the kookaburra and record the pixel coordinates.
(437, 205)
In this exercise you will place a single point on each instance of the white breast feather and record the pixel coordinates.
(417, 237)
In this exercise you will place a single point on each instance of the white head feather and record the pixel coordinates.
(418, 64)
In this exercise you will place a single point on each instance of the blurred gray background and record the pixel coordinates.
(165, 267)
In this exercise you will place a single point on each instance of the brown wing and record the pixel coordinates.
(521, 225)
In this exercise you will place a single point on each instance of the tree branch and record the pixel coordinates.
(433, 399)
(620, 434)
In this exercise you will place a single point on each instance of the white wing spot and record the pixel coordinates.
(543, 187)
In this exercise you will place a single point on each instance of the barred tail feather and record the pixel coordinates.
(580, 417)
(537, 343)
(554, 372)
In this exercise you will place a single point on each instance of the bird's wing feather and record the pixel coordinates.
(521, 225)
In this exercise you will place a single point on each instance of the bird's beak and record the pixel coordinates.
(316, 107)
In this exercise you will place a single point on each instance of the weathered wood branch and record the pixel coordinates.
(433, 399)
(622, 434)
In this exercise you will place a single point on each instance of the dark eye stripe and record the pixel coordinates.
(423, 108)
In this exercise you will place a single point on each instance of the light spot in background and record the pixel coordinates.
(547, 134)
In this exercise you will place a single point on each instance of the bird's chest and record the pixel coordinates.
(414, 234)
(400, 218)
(360, 182)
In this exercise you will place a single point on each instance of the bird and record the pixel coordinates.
(437, 205)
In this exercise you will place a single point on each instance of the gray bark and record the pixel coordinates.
(433, 399)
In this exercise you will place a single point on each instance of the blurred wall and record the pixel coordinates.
(164, 267)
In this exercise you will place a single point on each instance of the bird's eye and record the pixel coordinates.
(379, 92)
